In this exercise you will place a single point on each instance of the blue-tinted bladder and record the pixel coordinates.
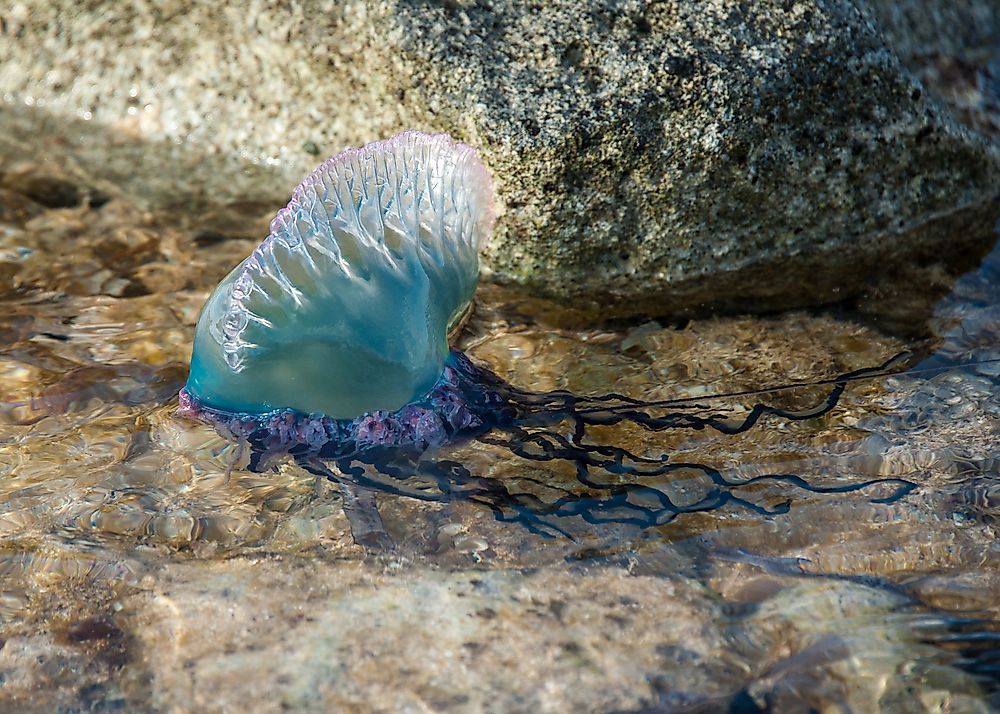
(345, 307)
(329, 344)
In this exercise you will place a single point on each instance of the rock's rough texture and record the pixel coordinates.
(658, 157)
(503, 641)
(650, 157)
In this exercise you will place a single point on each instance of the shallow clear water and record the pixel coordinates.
(145, 568)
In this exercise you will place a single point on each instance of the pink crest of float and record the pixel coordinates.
(478, 177)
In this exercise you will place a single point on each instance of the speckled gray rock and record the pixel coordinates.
(654, 158)
(650, 157)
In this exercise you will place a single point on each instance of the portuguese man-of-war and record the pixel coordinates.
(329, 344)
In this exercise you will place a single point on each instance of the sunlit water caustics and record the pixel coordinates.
(793, 511)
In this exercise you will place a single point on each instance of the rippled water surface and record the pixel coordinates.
(851, 566)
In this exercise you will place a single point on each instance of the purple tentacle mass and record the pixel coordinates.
(458, 406)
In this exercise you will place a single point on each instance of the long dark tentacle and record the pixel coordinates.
(613, 485)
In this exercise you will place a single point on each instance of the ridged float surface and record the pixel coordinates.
(345, 307)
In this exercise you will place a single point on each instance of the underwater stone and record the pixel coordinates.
(345, 308)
